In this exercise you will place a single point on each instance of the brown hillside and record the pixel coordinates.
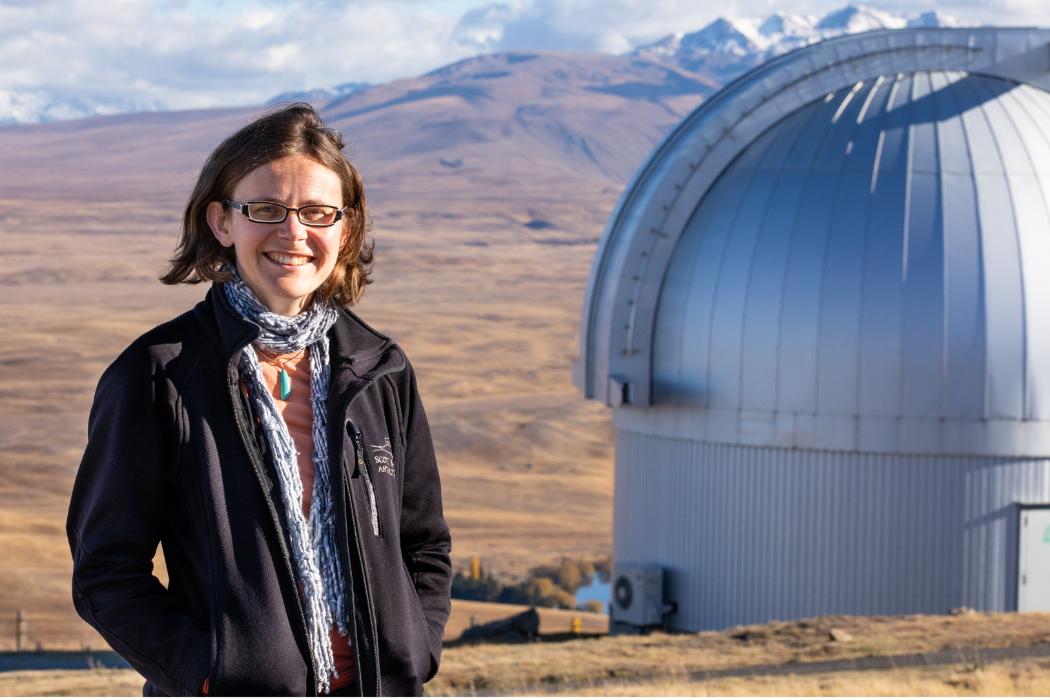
(489, 182)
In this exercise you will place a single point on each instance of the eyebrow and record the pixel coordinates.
(277, 200)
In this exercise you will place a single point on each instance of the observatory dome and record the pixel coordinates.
(844, 249)
(871, 273)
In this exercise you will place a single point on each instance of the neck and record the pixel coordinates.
(286, 307)
(280, 356)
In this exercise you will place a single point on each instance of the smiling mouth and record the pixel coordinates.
(287, 258)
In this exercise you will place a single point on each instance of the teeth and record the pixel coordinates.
(286, 259)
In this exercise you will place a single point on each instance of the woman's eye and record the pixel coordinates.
(265, 210)
(315, 214)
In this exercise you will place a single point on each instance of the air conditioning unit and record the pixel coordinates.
(638, 594)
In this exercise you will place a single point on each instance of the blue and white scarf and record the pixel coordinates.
(313, 542)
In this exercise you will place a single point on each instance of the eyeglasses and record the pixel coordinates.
(317, 215)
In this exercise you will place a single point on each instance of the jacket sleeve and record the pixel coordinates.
(425, 537)
(116, 516)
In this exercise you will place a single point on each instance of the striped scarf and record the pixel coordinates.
(313, 542)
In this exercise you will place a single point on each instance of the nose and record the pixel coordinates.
(291, 228)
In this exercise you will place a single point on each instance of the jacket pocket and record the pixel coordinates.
(432, 641)
(365, 470)
(425, 661)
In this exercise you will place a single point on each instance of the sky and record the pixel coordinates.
(193, 53)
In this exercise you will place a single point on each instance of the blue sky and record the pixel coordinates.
(193, 53)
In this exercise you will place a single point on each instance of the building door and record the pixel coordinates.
(1033, 576)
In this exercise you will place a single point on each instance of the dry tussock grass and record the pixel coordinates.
(1008, 678)
(97, 682)
(1005, 678)
(501, 669)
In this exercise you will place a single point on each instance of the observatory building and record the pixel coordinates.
(821, 315)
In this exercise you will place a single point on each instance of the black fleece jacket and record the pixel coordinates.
(174, 457)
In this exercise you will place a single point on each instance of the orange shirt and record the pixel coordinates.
(298, 415)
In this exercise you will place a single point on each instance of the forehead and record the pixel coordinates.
(291, 179)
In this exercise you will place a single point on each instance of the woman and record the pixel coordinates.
(273, 444)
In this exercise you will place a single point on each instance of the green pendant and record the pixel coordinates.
(286, 385)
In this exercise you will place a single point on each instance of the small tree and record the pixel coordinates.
(594, 606)
(466, 587)
(569, 576)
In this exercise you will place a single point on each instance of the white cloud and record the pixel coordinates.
(613, 26)
(198, 53)
(230, 54)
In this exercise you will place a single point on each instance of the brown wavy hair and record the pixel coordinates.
(293, 130)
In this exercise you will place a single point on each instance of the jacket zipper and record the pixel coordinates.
(366, 473)
(247, 437)
(357, 542)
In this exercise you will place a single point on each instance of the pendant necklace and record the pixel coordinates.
(283, 380)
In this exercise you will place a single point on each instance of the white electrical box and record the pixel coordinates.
(1033, 562)
(638, 594)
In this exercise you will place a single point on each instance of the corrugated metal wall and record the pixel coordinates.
(752, 534)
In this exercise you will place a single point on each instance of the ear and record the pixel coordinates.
(219, 223)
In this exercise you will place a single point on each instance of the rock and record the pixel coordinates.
(840, 635)
(522, 627)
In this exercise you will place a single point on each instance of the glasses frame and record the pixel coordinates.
(242, 207)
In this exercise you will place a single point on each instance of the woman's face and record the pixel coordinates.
(283, 264)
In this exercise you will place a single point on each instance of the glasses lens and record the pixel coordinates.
(317, 215)
(266, 212)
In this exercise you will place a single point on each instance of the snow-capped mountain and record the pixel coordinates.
(858, 18)
(779, 25)
(40, 106)
(933, 18)
(727, 47)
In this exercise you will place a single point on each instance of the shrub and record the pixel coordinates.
(485, 588)
(594, 606)
(569, 578)
(552, 586)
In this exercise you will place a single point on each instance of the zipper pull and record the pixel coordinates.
(366, 474)
(359, 450)
(351, 432)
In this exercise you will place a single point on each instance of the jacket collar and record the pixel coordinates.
(359, 355)
(354, 344)
(365, 350)
(233, 330)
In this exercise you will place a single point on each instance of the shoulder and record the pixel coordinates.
(367, 350)
(154, 352)
(372, 352)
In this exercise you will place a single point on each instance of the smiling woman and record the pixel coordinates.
(283, 258)
(274, 444)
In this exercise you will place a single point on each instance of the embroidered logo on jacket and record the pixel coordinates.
(384, 457)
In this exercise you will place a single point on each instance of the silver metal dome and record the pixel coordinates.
(871, 274)
(844, 250)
